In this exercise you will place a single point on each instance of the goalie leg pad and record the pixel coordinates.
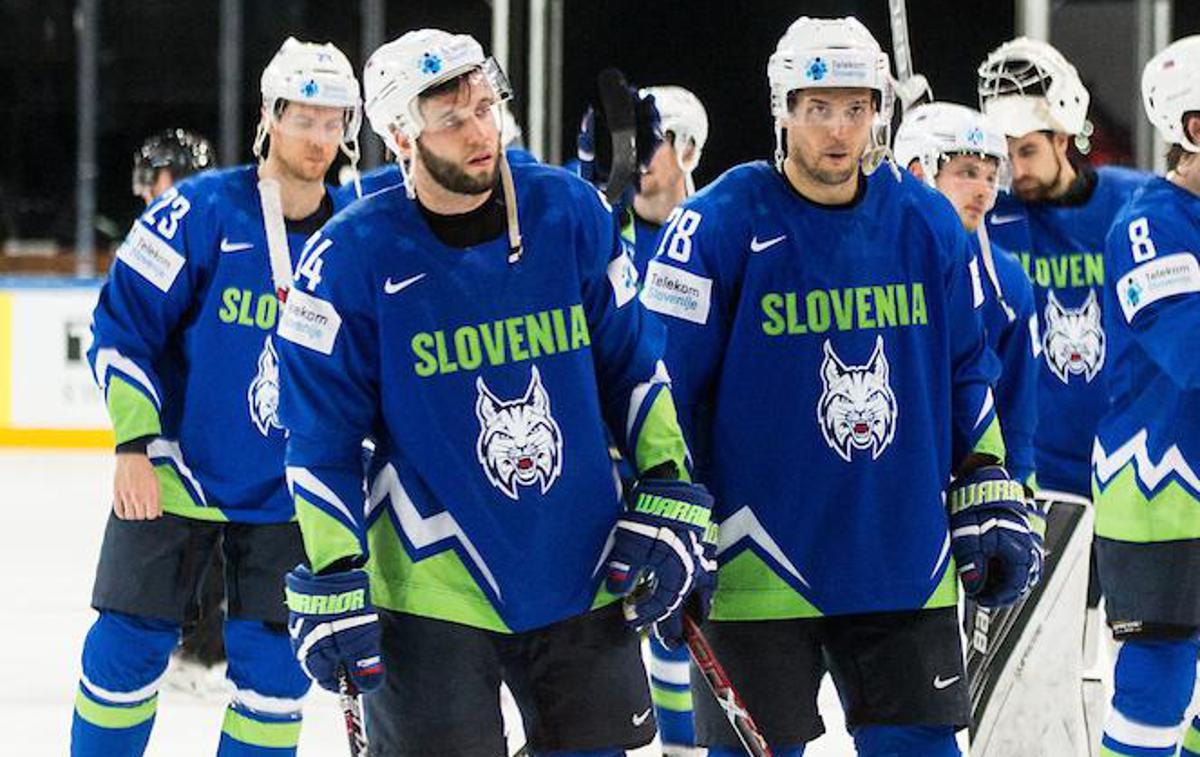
(906, 741)
(1153, 685)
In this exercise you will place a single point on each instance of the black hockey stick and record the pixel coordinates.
(620, 115)
(352, 714)
(721, 687)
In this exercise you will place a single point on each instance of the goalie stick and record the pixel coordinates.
(912, 88)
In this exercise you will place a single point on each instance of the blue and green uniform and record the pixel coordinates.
(487, 385)
(830, 369)
(1146, 467)
(185, 352)
(1061, 247)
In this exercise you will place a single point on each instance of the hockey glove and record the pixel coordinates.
(618, 137)
(999, 558)
(333, 627)
(659, 550)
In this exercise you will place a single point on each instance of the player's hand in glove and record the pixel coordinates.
(661, 540)
(333, 626)
(999, 557)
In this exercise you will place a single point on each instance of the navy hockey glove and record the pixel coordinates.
(661, 539)
(999, 557)
(618, 136)
(333, 627)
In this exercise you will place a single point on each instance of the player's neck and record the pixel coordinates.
(656, 207)
(820, 192)
(1187, 175)
(436, 198)
(300, 198)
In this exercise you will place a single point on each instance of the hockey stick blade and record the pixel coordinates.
(621, 116)
(721, 687)
(352, 715)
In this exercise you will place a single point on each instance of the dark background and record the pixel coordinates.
(158, 68)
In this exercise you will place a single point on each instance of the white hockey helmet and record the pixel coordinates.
(682, 114)
(398, 72)
(1171, 89)
(827, 53)
(314, 74)
(1026, 85)
(938, 130)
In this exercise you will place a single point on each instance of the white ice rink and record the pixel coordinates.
(54, 507)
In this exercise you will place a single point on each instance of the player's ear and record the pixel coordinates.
(1060, 142)
(916, 169)
(1191, 126)
(404, 143)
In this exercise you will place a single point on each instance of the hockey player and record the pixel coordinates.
(481, 323)
(1054, 220)
(954, 150)
(166, 158)
(831, 372)
(1146, 459)
(184, 352)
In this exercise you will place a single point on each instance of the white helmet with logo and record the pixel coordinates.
(937, 130)
(682, 114)
(314, 74)
(1171, 89)
(1026, 85)
(827, 53)
(397, 73)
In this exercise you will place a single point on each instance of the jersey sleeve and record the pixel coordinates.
(1157, 282)
(686, 286)
(627, 344)
(149, 290)
(329, 393)
(1016, 389)
(974, 367)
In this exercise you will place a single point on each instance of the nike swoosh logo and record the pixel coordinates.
(939, 684)
(391, 287)
(638, 719)
(757, 246)
(1000, 220)
(227, 246)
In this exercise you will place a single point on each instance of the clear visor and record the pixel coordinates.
(320, 124)
(479, 98)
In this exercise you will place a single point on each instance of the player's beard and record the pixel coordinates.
(453, 178)
(1039, 191)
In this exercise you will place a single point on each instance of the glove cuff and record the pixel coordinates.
(327, 597)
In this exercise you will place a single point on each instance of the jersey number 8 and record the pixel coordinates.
(1139, 240)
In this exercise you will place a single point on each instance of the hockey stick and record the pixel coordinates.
(620, 114)
(721, 687)
(912, 88)
(352, 714)
(277, 245)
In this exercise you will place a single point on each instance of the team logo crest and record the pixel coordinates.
(519, 443)
(310, 88)
(857, 409)
(263, 394)
(1074, 338)
(430, 64)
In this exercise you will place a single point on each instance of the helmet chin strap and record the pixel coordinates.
(515, 247)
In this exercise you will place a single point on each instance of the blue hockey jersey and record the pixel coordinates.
(183, 349)
(487, 385)
(640, 236)
(830, 368)
(1146, 459)
(1010, 322)
(1062, 249)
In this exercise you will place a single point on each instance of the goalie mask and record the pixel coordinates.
(1026, 85)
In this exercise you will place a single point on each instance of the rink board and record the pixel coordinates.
(48, 397)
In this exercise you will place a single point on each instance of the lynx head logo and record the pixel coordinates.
(1074, 338)
(857, 409)
(520, 443)
(263, 394)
